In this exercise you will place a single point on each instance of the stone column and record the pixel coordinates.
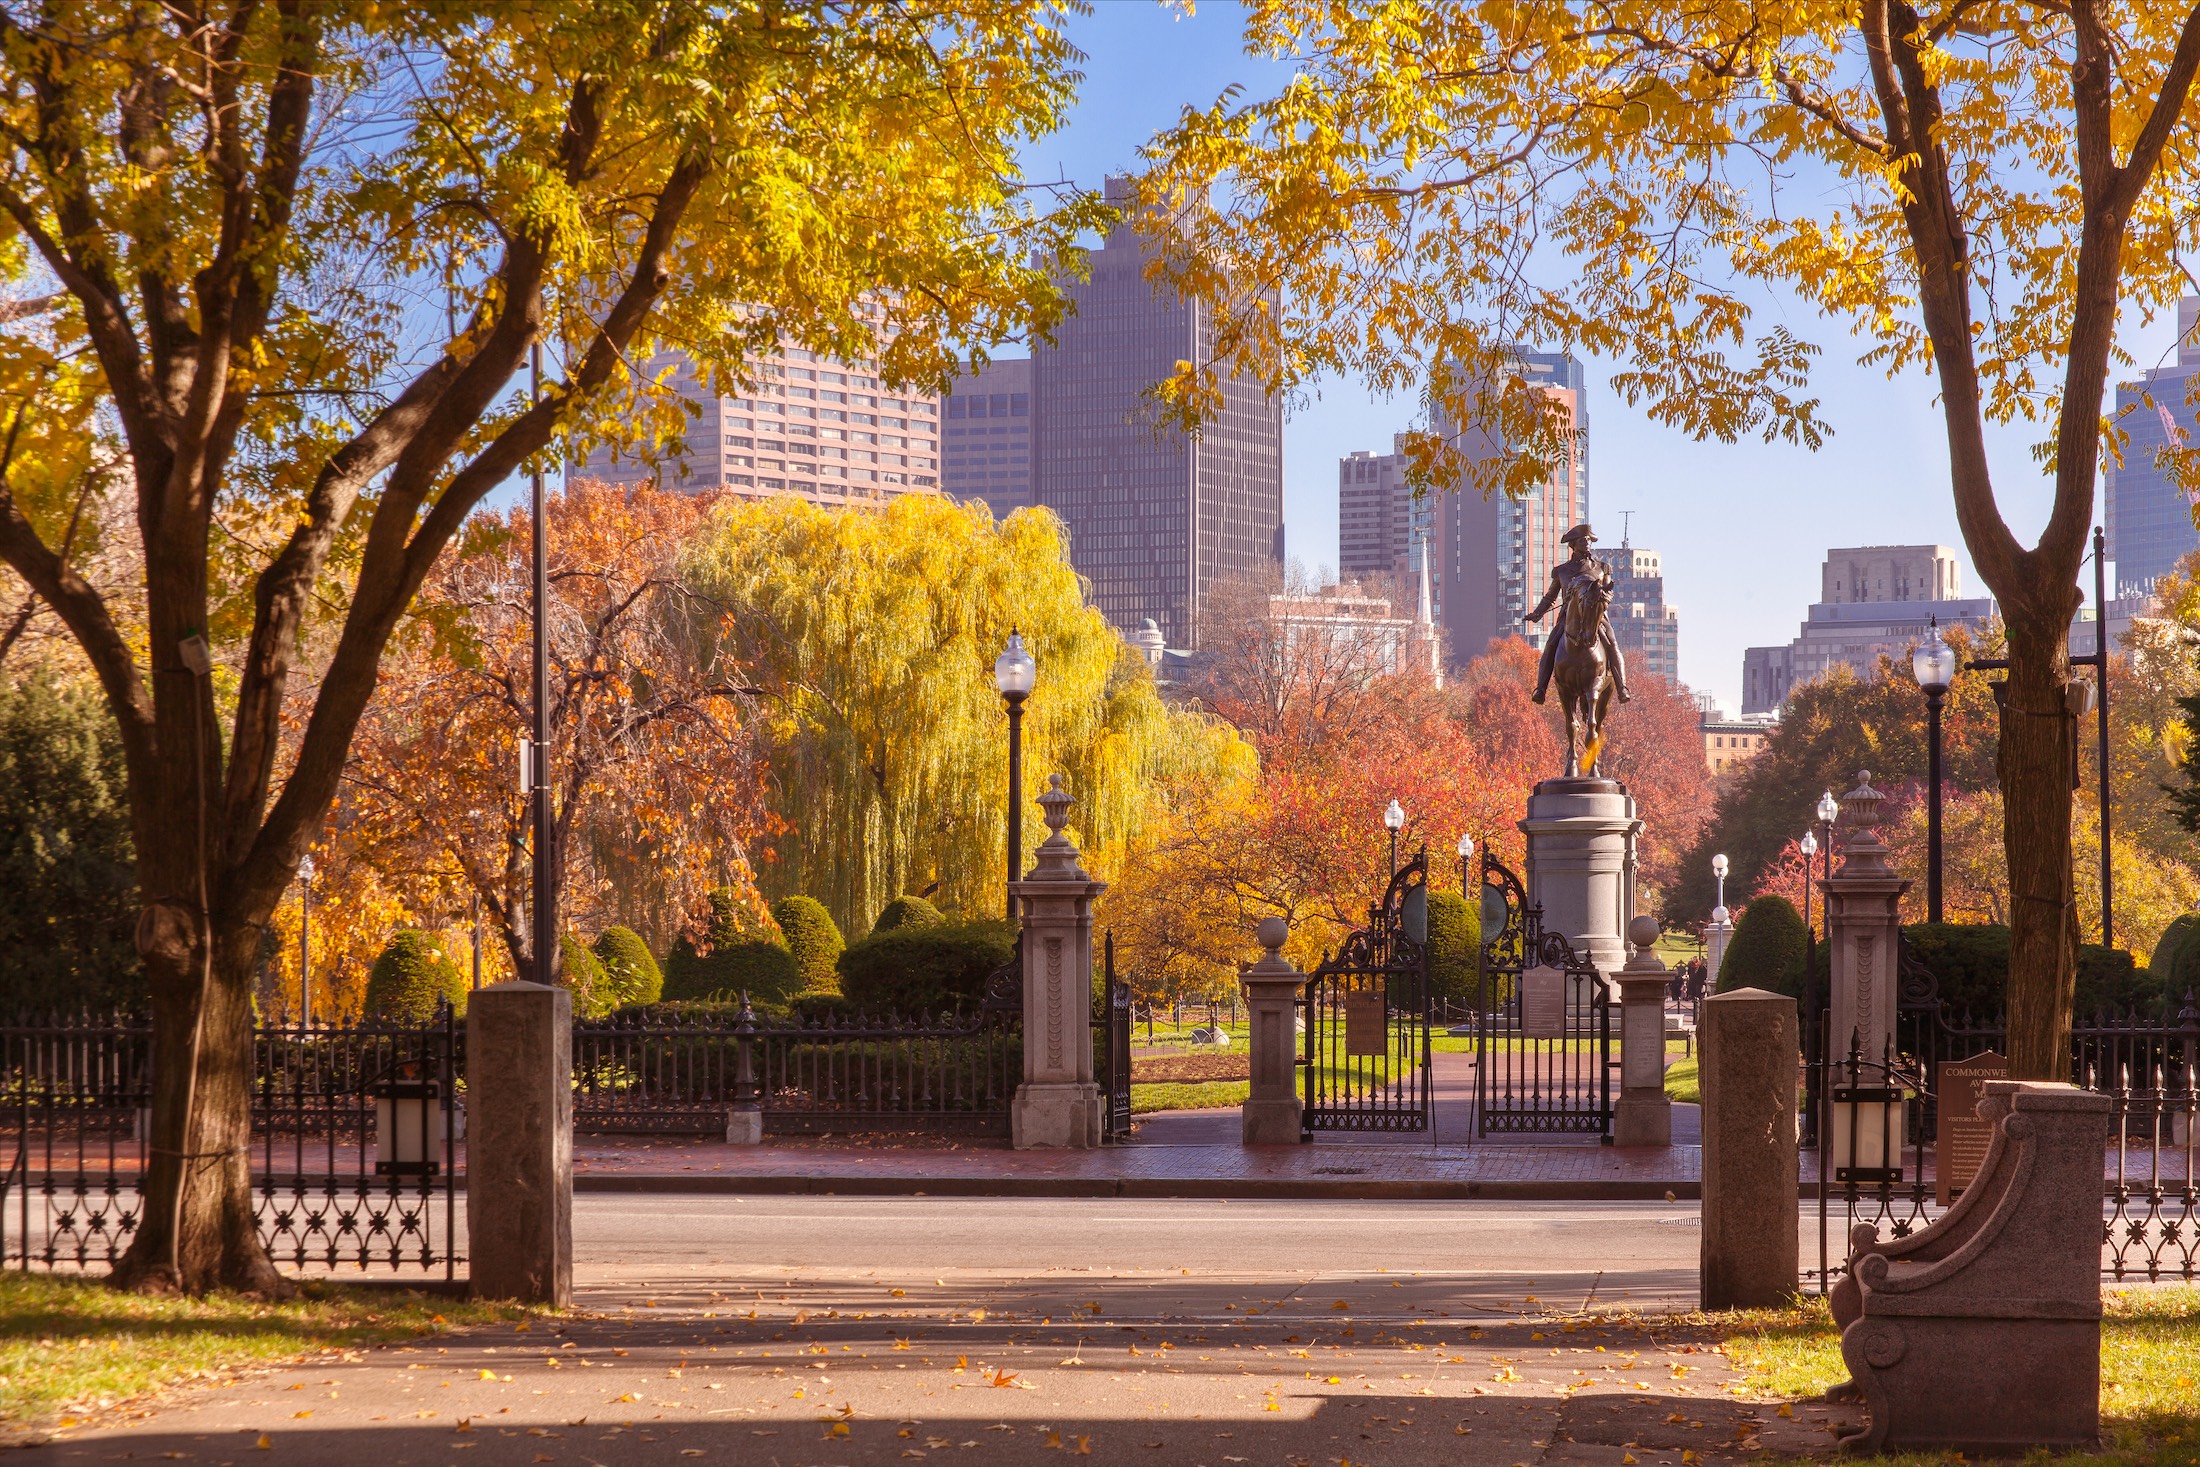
(1581, 857)
(519, 1143)
(1645, 1115)
(1717, 934)
(1058, 1103)
(1750, 1218)
(1863, 930)
(1272, 1110)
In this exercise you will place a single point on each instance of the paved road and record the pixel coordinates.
(781, 1332)
(1642, 1253)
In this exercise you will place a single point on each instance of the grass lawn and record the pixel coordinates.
(1192, 1095)
(2150, 1357)
(1681, 1082)
(71, 1346)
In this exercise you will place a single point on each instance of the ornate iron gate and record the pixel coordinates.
(1114, 1022)
(1366, 1011)
(1543, 1026)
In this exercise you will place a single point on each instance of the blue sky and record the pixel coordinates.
(1742, 527)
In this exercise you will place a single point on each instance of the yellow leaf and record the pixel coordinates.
(1787, 1411)
(487, 1375)
(265, 1442)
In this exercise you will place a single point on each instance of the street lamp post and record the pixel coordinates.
(1720, 932)
(1466, 854)
(1808, 845)
(1718, 870)
(1014, 673)
(1934, 666)
(305, 942)
(1394, 820)
(545, 883)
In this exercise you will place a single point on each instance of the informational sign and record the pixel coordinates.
(1960, 1140)
(1543, 1003)
(1363, 1023)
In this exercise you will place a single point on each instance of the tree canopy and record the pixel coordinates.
(301, 253)
(1968, 189)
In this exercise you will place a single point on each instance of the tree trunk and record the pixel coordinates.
(2038, 731)
(220, 1243)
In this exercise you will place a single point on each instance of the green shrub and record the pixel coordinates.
(408, 979)
(907, 911)
(765, 971)
(581, 974)
(1767, 950)
(1455, 950)
(813, 939)
(631, 974)
(926, 969)
(1969, 962)
(2176, 960)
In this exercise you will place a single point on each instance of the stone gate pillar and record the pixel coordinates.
(1058, 1103)
(519, 1143)
(1272, 1111)
(1863, 930)
(1645, 1115)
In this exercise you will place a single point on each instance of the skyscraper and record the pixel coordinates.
(1494, 556)
(1645, 629)
(986, 437)
(823, 429)
(2149, 517)
(1155, 516)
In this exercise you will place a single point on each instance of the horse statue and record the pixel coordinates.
(1584, 680)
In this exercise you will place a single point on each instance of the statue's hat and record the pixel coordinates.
(1578, 534)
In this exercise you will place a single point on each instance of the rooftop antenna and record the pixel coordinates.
(1626, 522)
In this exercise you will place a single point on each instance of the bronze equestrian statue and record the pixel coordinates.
(1580, 650)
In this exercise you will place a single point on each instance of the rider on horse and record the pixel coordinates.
(1563, 576)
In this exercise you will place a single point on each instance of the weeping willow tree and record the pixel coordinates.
(873, 635)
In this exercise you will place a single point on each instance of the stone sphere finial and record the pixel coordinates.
(1642, 931)
(1272, 932)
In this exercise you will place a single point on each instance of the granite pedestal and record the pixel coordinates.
(1581, 864)
(519, 1149)
(1748, 1059)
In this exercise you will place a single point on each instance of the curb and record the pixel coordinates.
(1223, 1188)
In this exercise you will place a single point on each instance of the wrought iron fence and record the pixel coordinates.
(356, 1137)
(667, 1071)
(1875, 1119)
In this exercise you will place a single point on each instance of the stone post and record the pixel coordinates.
(1645, 1115)
(519, 1143)
(1717, 934)
(745, 1117)
(1747, 1048)
(1863, 930)
(1058, 1103)
(1581, 859)
(1272, 1110)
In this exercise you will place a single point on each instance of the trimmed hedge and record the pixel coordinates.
(765, 971)
(813, 939)
(632, 975)
(1455, 950)
(926, 969)
(2176, 960)
(1970, 967)
(907, 911)
(409, 977)
(1768, 949)
(580, 972)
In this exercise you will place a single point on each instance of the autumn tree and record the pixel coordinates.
(871, 638)
(301, 252)
(1975, 188)
(655, 788)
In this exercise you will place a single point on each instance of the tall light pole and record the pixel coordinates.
(1718, 871)
(1014, 673)
(1394, 820)
(1934, 666)
(305, 942)
(545, 896)
(1808, 845)
(1466, 854)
